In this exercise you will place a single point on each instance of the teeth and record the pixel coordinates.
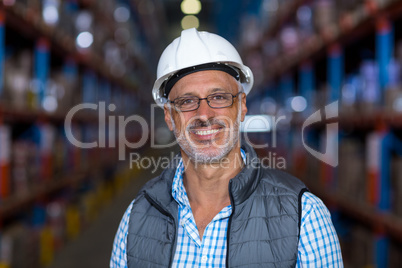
(207, 132)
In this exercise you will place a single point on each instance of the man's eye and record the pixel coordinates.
(186, 101)
(189, 100)
(219, 97)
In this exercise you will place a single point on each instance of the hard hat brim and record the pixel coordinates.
(246, 79)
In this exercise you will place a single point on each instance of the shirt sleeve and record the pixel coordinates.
(119, 257)
(318, 243)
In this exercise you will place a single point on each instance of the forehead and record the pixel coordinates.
(204, 82)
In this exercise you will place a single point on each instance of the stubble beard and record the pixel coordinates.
(202, 154)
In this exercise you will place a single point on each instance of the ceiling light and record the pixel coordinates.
(191, 7)
(397, 105)
(121, 14)
(299, 104)
(50, 11)
(83, 21)
(50, 103)
(190, 21)
(84, 39)
(50, 15)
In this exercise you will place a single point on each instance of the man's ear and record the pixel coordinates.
(243, 106)
(168, 117)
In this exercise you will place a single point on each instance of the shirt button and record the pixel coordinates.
(204, 259)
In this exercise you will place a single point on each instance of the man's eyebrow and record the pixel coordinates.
(215, 90)
(219, 90)
(187, 94)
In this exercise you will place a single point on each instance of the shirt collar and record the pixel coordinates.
(178, 191)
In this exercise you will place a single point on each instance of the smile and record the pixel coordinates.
(206, 132)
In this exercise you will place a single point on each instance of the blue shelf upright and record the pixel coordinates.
(306, 85)
(335, 72)
(384, 51)
(2, 51)
(41, 69)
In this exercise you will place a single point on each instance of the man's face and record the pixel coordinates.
(207, 134)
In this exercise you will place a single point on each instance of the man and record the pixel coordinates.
(217, 207)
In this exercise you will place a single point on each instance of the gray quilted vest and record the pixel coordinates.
(263, 229)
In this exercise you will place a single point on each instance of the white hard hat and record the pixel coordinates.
(194, 51)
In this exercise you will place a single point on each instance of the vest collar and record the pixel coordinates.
(244, 183)
(241, 186)
(161, 188)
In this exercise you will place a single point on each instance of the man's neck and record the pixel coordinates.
(207, 184)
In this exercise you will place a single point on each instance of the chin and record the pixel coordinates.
(208, 155)
(207, 151)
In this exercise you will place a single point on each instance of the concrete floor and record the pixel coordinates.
(92, 248)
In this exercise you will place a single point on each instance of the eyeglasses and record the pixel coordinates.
(216, 101)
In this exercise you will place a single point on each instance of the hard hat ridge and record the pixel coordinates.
(188, 54)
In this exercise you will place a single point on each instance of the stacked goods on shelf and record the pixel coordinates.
(354, 50)
(25, 175)
(351, 179)
(33, 242)
(38, 171)
(17, 73)
(41, 154)
(62, 90)
(396, 185)
(395, 257)
(21, 90)
(51, 187)
(362, 245)
(374, 147)
(393, 93)
(357, 244)
(310, 175)
(5, 159)
(105, 40)
(301, 29)
(370, 87)
(19, 247)
(47, 138)
(362, 91)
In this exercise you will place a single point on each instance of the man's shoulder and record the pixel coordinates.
(282, 179)
(154, 182)
(162, 182)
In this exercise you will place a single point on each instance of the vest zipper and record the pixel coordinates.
(229, 224)
(168, 214)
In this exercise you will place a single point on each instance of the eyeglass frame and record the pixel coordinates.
(206, 98)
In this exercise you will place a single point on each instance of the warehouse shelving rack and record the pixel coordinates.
(83, 168)
(325, 50)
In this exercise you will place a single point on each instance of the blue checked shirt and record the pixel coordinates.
(318, 243)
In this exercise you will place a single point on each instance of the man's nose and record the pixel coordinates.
(205, 111)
